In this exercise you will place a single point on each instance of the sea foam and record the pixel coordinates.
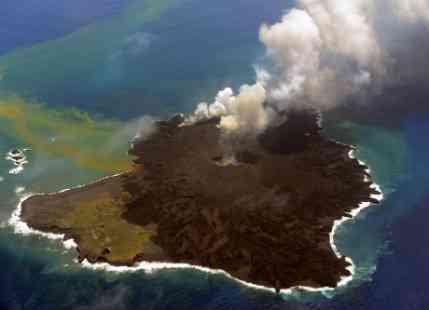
(18, 159)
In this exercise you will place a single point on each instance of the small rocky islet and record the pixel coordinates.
(266, 219)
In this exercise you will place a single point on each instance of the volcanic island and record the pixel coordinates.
(265, 218)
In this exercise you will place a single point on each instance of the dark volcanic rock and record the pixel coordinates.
(265, 219)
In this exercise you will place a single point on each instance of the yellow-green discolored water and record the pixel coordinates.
(36, 84)
(91, 144)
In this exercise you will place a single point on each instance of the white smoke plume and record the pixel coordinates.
(323, 52)
(244, 114)
(347, 29)
(412, 10)
(294, 44)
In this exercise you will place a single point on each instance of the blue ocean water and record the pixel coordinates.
(27, 22)
(192, 53)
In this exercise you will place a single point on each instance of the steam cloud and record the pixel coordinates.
(322, 52)
(412, 10)
(243, 113)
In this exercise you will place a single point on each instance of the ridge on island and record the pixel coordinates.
(265, 219)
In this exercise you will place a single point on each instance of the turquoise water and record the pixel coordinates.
(158, 57)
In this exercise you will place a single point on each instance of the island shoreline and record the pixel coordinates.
(21, 227)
